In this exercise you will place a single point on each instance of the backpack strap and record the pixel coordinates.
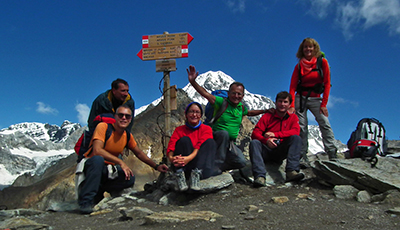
(319, 67)
(128, 137)
(316, 87)
(110, 129)
(220, 111)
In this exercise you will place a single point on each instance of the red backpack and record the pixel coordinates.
(368, 140)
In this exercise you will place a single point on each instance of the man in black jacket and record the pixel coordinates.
(110, 100)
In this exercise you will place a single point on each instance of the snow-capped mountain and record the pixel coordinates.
(44, 132)
(32, 147)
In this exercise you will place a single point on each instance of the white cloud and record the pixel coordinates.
(347, 18)
(352, 16)
(320, 8)
(333, 101)
(236, 5)
(45, 109)
(381, 12)
(83, 113)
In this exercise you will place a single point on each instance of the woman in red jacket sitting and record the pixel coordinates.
(191, 149)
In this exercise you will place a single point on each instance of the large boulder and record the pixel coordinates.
(359, 173)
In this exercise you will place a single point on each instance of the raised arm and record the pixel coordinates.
(192, 75)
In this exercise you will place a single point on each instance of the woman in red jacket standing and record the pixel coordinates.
(191, 149)
(311, 78)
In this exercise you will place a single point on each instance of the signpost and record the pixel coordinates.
(162, 48)
(165, 52)
(165, 65)
(166, 40)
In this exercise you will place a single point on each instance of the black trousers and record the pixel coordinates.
(204, 160)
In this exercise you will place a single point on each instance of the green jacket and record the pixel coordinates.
(231, 119)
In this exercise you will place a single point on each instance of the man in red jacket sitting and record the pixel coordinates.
(275, 138)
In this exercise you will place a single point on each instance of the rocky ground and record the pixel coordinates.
(310, 205)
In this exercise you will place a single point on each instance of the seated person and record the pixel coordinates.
(191, 149)
(102, 154)
(226, 127)
(275, 138)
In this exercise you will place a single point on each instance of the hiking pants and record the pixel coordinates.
(328, 139)
(204, 160)
(229, 156)
(260, 154)
(96, 181)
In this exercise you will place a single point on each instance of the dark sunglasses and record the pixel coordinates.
(121, 115)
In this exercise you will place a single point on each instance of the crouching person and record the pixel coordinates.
(275, 138)
(103, 170)
(191, 150)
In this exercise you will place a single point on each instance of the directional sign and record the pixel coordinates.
(163, 52)
(160, 40)
(165, 65)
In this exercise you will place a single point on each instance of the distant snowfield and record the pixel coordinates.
(42, 159)
(6, 177)
(314, 146)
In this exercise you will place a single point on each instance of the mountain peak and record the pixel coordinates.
(212, 80)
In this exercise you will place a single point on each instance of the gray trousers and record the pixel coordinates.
(260, 154)
(228, 156)
(328, 139)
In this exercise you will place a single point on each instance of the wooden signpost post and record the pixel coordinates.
(162, 48)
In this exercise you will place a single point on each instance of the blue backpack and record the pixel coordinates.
(211, 115)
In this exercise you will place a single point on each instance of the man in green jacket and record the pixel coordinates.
(226, 128)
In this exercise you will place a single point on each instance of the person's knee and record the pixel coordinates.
(184, 141)
(131, 182)
(210, 143)
(96, 161)
(295, 138)
(255, 143)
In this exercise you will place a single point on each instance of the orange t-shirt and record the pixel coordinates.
(115, 144)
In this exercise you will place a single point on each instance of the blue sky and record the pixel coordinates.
(57, 56)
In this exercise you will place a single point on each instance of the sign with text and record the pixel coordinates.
(165, 65)
(163, 52)
(160, 40)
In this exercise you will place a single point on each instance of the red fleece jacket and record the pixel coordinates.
(282, 127)
(197, 136)
(309, 80)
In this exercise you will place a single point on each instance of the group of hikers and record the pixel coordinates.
(198, 151)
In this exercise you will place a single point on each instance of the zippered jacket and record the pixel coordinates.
(282, 127)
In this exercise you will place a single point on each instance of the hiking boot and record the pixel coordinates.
(86, 209)
(259, 182)
(195, 179)
(180, 178)
(294, 176)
